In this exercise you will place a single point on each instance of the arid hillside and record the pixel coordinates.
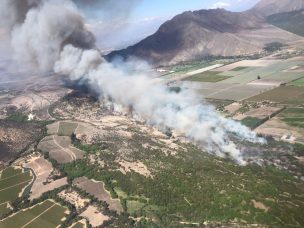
(217, 32)
(269, 7)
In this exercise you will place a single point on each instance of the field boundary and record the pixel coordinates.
(38, 216)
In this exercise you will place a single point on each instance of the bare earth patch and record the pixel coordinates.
(232, 108)
(94, 216)
(260, 205)
(43, 183)
(137, 167)
(97, 189)
(74, 198)
(280, 130)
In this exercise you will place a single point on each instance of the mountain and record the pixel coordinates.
(290, 21)
(214, 32)
(269, 7)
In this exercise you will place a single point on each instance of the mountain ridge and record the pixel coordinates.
(213, 32)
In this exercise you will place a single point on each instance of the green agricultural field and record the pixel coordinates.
(4, 208)
(66, 128)
(289, 95)
(273, 72)
(209, 76)
(47, 215)
(293, 117)
(240, 68)
(285, 76)
(12, 181)
(251, 122)
(299, 82)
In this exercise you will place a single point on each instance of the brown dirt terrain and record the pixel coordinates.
(94, 216)
(137, 167)
(260, 113)
(97, 189)
(74, 198)
(284, 95)
(43, 182)
(281, 131)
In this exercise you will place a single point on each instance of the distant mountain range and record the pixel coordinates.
(270, 7)
(215, 32)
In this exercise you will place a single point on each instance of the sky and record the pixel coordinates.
(164, 8)
(147, 15)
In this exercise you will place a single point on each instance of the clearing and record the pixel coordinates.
(94, 216)
(44, 182)
(97, 189)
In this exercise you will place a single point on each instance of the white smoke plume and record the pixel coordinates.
(45, 29)
(182, 111)
(47, 37)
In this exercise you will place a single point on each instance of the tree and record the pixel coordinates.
(274, 46)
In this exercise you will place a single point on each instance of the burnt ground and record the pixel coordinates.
(282, 155)
(15, 137)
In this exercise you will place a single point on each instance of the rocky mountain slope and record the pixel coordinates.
(214, 32)
(290, 21)
(269, 7)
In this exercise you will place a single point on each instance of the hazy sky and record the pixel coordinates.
(146, 17)
(161, 8)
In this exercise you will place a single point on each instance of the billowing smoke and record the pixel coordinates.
(107, 8)
(53, 35)
(39, 35)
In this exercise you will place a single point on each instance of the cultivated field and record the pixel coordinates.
(4, 208)
(79, 224)
(47, 215)
(209, 76)
(60, 148)
(223, 91)
(12, 183)
(293, 117)
(247, 63)
(299, 82)
(260, 112)
(97, 189)
(67, 128)
(289, 95)
(272, 72)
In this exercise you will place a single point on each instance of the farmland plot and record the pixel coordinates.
(48, 214)
(97, 189)
(60, 148)
(43, 183)
(289, 95)
(12, 182)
